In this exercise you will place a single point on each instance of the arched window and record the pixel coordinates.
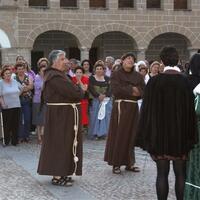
(126, 3)
(38, 3)
(180, 4)
(153, 4)
(98, 3)
(68, 3)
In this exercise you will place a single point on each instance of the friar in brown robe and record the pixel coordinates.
(127, 87)
(61, 152)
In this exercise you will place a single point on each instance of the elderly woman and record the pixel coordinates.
(61, 152)
(10, 103)
(100, 109)
(37, 110)
(154, 69)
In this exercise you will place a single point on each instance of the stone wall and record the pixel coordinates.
(24, 24)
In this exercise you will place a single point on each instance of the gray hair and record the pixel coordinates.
(110, 58)
(54, 55)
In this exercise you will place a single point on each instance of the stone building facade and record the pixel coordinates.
(97, 28)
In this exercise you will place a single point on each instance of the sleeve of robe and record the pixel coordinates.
(66, 88)
(118, 89)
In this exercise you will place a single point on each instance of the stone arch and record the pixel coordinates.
(56, 26)
(186, 32)
(7, 39)
(118, 28)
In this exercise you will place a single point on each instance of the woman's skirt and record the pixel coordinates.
(192, 186)
(99, 127)
(38, 114)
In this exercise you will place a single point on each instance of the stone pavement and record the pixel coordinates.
(19, 180)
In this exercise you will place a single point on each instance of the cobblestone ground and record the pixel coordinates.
(19, 180)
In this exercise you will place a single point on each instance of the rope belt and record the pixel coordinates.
(118, 101)
(76, 122)
(196, 186)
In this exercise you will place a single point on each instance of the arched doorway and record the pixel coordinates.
(180, 42)
(50, 40)
(113, 43)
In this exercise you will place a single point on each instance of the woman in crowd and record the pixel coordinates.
(87, 68)
(25, 100)
(167, 128)
(83, 81)
(100, 109)
(29, 71)
(37, 110)
(10, 103)
(154, 69)
(192, 187)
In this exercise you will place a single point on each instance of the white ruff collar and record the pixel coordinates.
(175, 68)
(197, 89)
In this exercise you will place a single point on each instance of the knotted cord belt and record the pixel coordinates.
(76, 123)
(118, 101)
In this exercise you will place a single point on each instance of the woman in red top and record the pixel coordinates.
(83, 81)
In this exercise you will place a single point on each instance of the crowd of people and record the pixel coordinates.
(146, 104)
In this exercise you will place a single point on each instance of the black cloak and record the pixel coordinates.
(167, 124)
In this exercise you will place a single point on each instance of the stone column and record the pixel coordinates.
(9, 54)
(140, 4)
(84, 53)
(168, 4)
(140, 54)
(112, 4)
(83, 4)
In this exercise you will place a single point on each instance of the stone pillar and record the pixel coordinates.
(9, 54)
(140, 4)
(84, 4)
(112, 4)
(84, 53)
(140, 54)
(168, 4)
(192, 51)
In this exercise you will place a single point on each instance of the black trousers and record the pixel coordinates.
(11, 125)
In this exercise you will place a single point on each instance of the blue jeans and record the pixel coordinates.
(25, 119)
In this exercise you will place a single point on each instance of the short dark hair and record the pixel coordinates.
(90, 66)
(124, 56)
(169, 56)
(99, 65)
(194, 64)
(79, 67)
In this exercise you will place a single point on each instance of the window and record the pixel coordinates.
(38, 3)
(98, 3)
(153, 4)
(180, 4)
(68, 3)
(126, 3)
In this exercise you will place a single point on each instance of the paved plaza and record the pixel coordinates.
(19, 180)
